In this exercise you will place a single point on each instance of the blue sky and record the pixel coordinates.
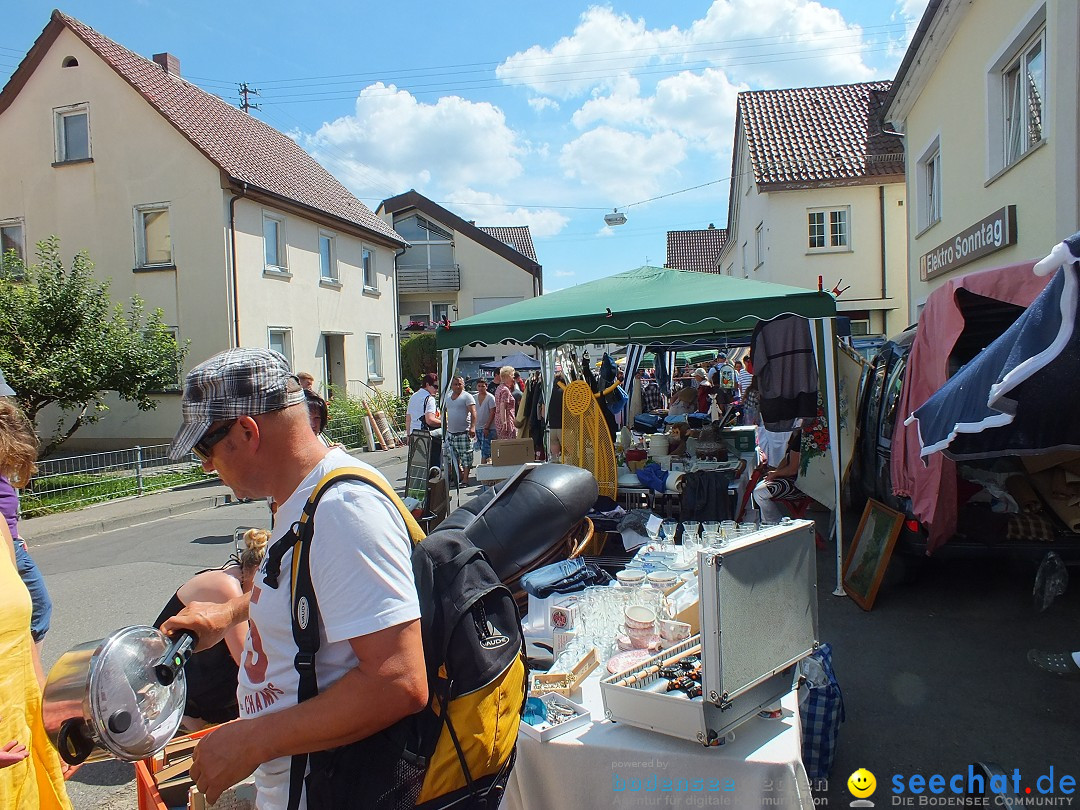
(510, 113)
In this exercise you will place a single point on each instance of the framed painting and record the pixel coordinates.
(870, 551)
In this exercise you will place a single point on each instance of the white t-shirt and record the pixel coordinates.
(457, 412)
(361, 569)
(420, 403)
(485, 411)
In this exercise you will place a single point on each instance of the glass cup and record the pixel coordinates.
(690, 529)
(668, 531)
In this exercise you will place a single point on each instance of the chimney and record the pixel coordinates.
(169, 63)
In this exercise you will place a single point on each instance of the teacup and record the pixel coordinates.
(630, 577)
(640, 617)
(641, 638)
(672, 631)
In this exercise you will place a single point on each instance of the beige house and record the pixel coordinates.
(986, 97)
(697, 250)
(453, 269)
(221, 221)
(817, 192)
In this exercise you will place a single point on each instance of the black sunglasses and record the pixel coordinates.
(204, 446)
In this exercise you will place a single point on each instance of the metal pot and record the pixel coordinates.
(121, 696)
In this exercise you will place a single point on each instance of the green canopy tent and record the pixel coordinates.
(639, 306)
(650, 306)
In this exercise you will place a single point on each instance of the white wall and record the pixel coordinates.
(956, 105)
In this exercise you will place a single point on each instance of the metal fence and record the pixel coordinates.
(71, 482)
(66, 483)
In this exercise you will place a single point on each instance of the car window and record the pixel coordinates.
(892, 401)
(873, 401)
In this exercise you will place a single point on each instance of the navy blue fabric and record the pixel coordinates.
(968, 405)
(653, 477)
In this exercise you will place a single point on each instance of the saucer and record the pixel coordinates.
(628, 659)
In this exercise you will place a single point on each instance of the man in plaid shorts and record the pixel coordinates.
(461, 426)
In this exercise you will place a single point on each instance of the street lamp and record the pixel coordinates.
(616, 217)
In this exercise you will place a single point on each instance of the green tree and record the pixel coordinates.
(62, 341)
(419, 356)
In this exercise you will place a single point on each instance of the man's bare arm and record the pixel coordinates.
(209, 620)
(389, 683)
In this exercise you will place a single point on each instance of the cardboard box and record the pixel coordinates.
(581, 717)
(507, 452)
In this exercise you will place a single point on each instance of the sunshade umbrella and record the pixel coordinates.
(1012, 398)
(520, 362)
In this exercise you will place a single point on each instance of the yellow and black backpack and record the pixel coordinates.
(456, 752)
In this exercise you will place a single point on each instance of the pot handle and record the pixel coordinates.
(73, 741)
(175, 657)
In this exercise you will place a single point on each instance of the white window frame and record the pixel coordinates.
(759, 245)
(863, 325)
(449, 306)
(11, 224)
(140, 234)
(1029, 34)
(328, 274)
(282, 244)
(828, 224)
(1020, 137)
(367, 264)
(286, 341)
(373, 374)
(928, 186)
(60, 114)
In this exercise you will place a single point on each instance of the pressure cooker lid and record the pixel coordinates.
(133, 714)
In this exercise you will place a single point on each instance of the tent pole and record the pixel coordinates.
(829, 352)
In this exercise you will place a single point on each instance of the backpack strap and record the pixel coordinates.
(305, 616)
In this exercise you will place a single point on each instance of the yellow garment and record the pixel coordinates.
(37, 781)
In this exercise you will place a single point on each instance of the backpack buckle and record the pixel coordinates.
(304, 662)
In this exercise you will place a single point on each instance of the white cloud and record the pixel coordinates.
(541, 103)
(700, 107)
(564, 273)
(625, 166)
(766, 43)
(451, 143)
(490, 210)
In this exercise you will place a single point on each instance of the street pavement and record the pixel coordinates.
(934, 677)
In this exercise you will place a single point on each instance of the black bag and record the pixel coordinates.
(648, 423)
(474, 656)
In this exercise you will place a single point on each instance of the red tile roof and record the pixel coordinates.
(819, 135)
(246, 149)
(695, 250)
(516, 236)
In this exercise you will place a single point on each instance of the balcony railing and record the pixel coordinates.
(429, 279)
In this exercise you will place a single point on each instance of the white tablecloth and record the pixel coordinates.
(598, 765)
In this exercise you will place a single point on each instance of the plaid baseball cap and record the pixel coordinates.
(231, 384)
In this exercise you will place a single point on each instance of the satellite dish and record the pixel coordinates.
(615, 218)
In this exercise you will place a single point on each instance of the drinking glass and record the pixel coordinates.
(710, 527)
(668, 530)
(690, 530)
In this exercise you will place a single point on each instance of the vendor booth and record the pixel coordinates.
(656, 309)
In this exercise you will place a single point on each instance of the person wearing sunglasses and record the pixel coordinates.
(245, 415)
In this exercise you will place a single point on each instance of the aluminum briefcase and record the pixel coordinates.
(759, 617)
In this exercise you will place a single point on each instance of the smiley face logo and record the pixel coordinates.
(862, 783)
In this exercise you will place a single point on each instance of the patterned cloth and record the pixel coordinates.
(505, 408)
(231, 384)
(461, 444)
(650, 396)
(821, 705)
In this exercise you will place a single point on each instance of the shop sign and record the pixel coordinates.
(984, 237)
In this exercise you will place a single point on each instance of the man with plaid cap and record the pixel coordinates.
(244, 416)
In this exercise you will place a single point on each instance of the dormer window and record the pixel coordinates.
(70, 61)
(72, 133)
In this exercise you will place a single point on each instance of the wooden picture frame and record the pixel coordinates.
(870, 551)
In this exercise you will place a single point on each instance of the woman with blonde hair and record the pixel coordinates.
(31, 776)
(505, 417)
(212, 674)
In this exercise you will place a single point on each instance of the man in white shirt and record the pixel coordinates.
(422, 410)
(461, 425)
(244, 416)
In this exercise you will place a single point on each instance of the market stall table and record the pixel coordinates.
(594, 766)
